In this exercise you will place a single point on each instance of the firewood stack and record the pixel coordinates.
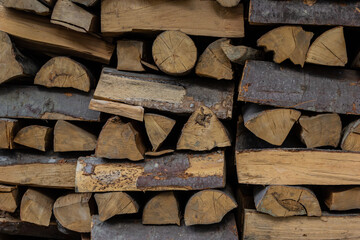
(163, 119)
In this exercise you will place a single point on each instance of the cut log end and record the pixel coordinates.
(239, 54)
(35, 136)
(8, 198)
(351, 137)
(129, 55)
(228, 3)
(158, 127)
(33, 6)
(8, 130)
(343, 199)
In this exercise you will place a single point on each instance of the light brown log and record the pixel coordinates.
(320, 130)
(64, 72)
(208, 207)
(13, 63)
(158, 127)
(162, 209)
(118, 140)
(8, 130)
(213, 62)
(228, 3)
(68, 14)
(342, 199)
(150, 65)
(8, 198)
(73, 212)
(285, 201)
(129, 55)
(121, 109)
(174, 53)
(87, 3)
(351, 137)
(287, 42)
(36, 207)
(115, 203)
(239, 54)
(271, 125)
(33, 6)
(35, 136)
(203, 131)
(159, 153)
(69, 137)
(329, 49)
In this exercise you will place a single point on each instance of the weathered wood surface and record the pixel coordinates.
(33, 6)
(178, 171)
(300, 12)
(87, 3)
(311, 88)
(138, 15)
(158, 127)
(42, 170)
(177, 95)
(342, 198)
(35, 136)
(134, 230)
(297, 167)
(9, 199)
(228, 3)
(328, 227)
(41, 103)
(8, 130)
(129, 55)
(351, 135)
(47, 37)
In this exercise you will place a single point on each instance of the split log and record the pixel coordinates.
(69, 138)
(228, 3)
(41, 170)
(8, 198)
(287, 42)
(115, 203)
(33, 6)
(129, 54)
(203, 131)
(118, 140)
(351, 137)
(211, 19)
(8, 130)
(36, 207)
(342, 199)
(14, 64)
(271, 125)
(73, 212)
(50, 104)
(162, 209)
(285, 201)
(328, 49)
(69, 15)
(121, 109)
(320, 130)
(158, 127)
(178, 171)
(159, 153)
(213, 62)
(208, 207)
(64, 72)
(239, 54)
(166, 93)
(51, 38)
(174, 53)
(297, 167)
(313, 88)
(87, 3)
(35, 136)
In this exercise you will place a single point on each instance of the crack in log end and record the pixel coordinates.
(203, 119)
(291, 205)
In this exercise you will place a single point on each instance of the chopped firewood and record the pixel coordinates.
(239, 54)
(33, 6)
(162, 209)
(208, 207)
(129, 54)
(342, 198)
(351, 137)
(320, 130)
(118, 140)
(49, 3)
(36, 207)
(73, 212)
(203, 131)
(64, 72)
(159, 153)
(228, 3)
(87, 3)
(329, 49)
(285, 201)
(213, 62)
(150, 65)
(174, 53)
(287, 42)
(158, 127)
(8, 198)
(35, 136)
(69, 138)
(8, 130)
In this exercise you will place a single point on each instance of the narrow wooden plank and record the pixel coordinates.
(177, 95)
(41, 103)
(305, 12)
(312, 88)
(178, 171)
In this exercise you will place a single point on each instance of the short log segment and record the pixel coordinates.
(285, 201)
(183, 172)
(8, 198)
(228, 3)
(351, 137)
(208, 207)
(239, 54)
(129, 55)
(161, 210)
(35, 136)
(33, 6)
(115, 203)
(8, 130)
(342, 199)
(158, 127)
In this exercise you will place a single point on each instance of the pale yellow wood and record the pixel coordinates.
(342, 199)
(351, 137)
(159, 153)
(150, 65)
(129, 55)
(8, 198)
(228, 3)
(239, 54)
(33, 6)
(8, 130)
(87, 3)
(158, 127)
(35, 136)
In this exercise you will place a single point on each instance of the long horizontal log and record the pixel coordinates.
(41, 103)
(178, 171)
(312, 88)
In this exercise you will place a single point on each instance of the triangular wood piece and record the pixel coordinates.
(158, 128)
(33, 6)
(8, 130)
(8, 198)
(351, 137)
(203, 131)
(239, 54)
(329, 49)
(35, 136)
